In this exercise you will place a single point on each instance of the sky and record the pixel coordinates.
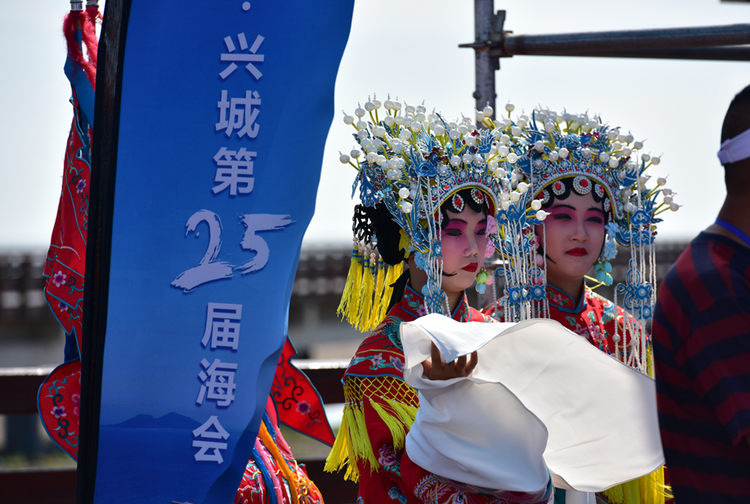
(409, 49)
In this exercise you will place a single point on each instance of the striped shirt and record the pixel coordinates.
(701, 337)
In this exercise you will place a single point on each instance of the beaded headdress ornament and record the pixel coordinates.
(412, 162)
(534, 156)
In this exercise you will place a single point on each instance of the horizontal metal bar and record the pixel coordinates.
(628, 40)
(622, 42)
(726, 53)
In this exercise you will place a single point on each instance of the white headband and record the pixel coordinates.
(735, 149)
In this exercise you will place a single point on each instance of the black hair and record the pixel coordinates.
(377, 221)
(737, 118)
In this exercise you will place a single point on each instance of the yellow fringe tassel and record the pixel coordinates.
(356, 292)
(352, 445)
(345, 303)
(398, 431)
(650, 361)
(372, 316)
(644, 490)
(405, 413)
(339, 455)
(394, 272)
(377, 304)
(368, 289)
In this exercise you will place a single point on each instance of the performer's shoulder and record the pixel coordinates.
(381, 353)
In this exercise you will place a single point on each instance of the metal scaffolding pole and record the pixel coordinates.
(626, 40)
(488, 29)
(718, 43)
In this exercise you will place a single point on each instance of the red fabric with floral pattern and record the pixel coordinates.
(58, 402)
(593, 318)
(380, 359)
(299, 404)
(64, 271)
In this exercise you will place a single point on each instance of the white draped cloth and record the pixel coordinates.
(541, 397)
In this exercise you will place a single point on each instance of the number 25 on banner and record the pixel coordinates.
(209, 269)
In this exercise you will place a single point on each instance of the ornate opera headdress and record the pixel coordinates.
(534, 155)
(411, 162)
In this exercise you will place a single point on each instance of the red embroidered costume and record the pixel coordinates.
(607, 327)
(379, 412)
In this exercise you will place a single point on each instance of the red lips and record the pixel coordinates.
(472, 267)
(577, 252)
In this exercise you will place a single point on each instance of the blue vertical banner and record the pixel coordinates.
(223, 114)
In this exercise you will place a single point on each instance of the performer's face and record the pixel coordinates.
(464, 241)
(575, 235)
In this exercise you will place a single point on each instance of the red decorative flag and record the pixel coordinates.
(59, 395)
(298, 403)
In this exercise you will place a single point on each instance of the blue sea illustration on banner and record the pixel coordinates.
(225, 110)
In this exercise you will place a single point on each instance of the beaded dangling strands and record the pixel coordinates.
(545, 313)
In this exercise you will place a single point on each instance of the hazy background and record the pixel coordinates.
(409, 48)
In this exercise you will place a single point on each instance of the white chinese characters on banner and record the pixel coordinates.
(222, 330)
(251, 56)
(223, 326)
(218, 382)
(239, 114)
(238, 119)
(234, 171)
(212, 429)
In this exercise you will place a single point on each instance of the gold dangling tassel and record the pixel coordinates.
(368, 288)
(356, 296)
(347, 303)
(377, 305)
(394, 272)
(644, 490)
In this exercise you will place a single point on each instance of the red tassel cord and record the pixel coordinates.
(85, 22)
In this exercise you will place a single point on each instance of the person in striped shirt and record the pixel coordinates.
(701, 336)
